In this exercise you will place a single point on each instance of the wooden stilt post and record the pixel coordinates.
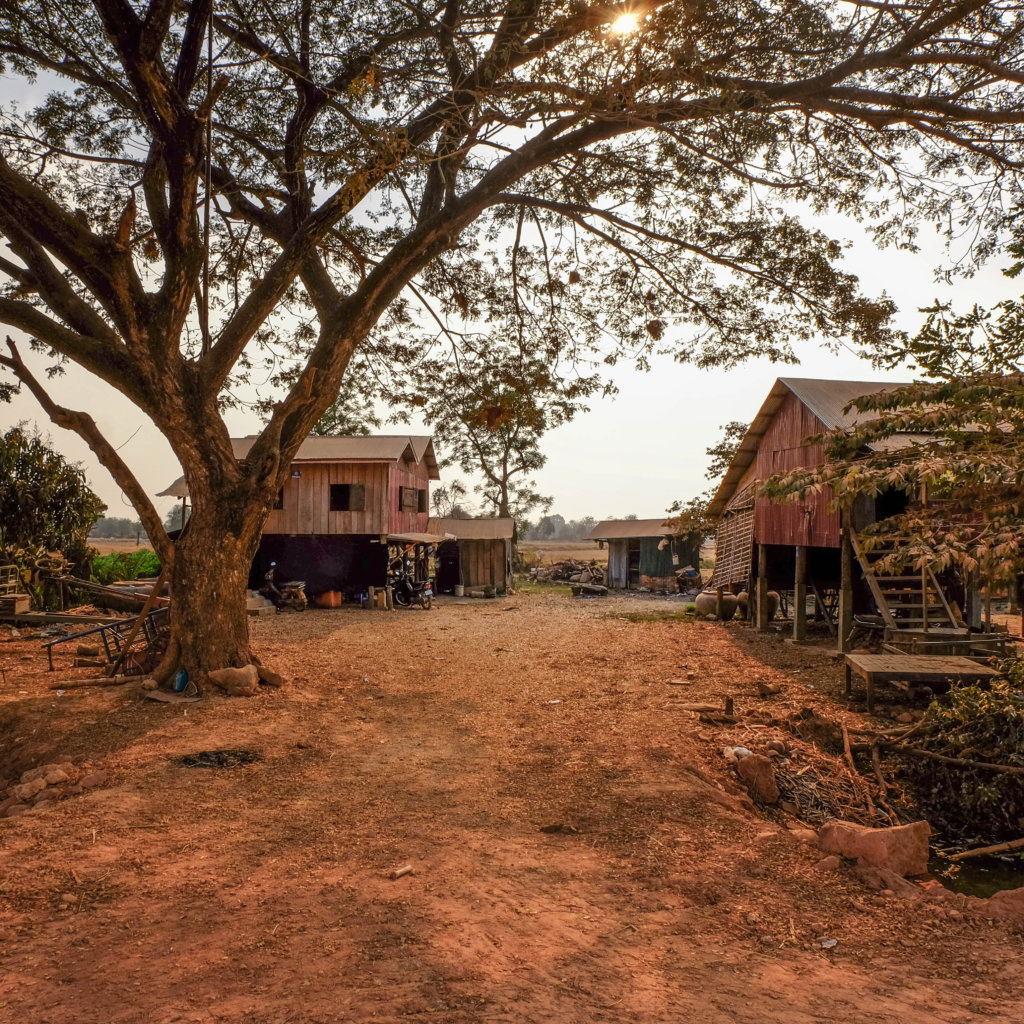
(762, 588)
(845, 624)
(800, 596)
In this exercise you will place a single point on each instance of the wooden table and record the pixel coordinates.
(912, 668)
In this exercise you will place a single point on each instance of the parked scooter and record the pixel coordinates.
(407, 591)
(290, 596)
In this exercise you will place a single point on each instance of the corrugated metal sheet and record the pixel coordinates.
(474, 529)
(825, 399)
(415, 449)
(618, 529)
(807, 522)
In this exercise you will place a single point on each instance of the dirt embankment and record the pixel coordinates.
(574, 857)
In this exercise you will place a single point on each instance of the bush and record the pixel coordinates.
(129, 565)
(977, 725)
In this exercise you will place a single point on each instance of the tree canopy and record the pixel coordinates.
(45, 503)
(197, 194)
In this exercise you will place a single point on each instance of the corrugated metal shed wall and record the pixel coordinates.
(783, 447)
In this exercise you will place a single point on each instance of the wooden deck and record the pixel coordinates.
(912, 668)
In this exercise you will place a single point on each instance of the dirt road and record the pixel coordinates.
(573, 859)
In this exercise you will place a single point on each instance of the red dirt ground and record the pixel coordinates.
(449, 740)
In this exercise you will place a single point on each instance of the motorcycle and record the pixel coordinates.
(290, 596)
(407, 591)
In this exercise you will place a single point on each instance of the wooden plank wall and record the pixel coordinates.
(783, 447)
(407, 475)
(618, 563)
(483, 563)
(307, 500)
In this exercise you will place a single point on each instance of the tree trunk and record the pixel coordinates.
(209, 621)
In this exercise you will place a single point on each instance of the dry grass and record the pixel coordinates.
(546, 552)
(118, 545)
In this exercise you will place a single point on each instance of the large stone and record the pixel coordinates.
(54, 775)
(92, 780)
(902, 849)
(238, 682)
(757, 772)
(27, 790)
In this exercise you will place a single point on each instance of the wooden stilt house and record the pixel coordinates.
(763, 544)
(345, 497)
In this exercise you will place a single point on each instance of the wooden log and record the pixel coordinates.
(76, 684)
(981, 851)
(959, 762)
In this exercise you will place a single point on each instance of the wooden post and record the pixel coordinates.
(973, 601)
(845, 624)
(762, 588)
(924, 600)
(800, 596)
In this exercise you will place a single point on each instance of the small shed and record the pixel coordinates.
(480, 554)
(644, 553)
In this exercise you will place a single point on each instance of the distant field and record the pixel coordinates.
(548, 551)
(108, 546)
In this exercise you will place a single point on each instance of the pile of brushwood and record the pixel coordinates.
(973, 784)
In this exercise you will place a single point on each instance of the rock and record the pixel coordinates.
(768, 689)
(804, 835)
(269, 678)
(87, 651)
(92, 780)
(9, 802)
(32, 774)
(757, 772)
(906, 718)
(27, 790)
(830, 863)
(15, 810)
(902, 849)
(777, 745)
(237, 682)
(55, 776)
(148, 684)
(74, 790)
(68, 897)
(791, 808)
(43, 796)
(887, 882)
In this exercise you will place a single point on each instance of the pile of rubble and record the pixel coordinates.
(46, 784)
(569, 571)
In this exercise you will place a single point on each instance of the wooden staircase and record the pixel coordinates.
(913, 601)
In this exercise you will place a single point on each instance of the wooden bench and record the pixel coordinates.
(912, 668)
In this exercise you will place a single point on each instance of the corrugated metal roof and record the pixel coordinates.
(827, 400)
(474, 529)
(619, 529)
(350, 448)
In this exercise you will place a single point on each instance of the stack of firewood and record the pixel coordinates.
(569, 571)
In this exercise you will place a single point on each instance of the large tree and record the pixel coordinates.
(369, 174)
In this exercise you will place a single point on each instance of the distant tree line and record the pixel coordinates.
(116, 528)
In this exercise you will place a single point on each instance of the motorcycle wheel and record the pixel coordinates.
(400, 598)
(425, 602)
